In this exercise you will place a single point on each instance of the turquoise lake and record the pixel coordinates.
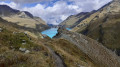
(52, 32)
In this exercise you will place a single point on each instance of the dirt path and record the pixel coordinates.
(58, 60)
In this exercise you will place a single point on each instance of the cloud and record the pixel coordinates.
(27, 1)
(88, 5)
(54, 14)
(59, 10)
(11, 4)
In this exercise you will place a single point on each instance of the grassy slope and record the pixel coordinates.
(106, 30)
(27, 22)
(39, 55)
(12, 57)
(22, 18)
(93, 16)
(103, 26)
(70, 54)
(14, 27)
(72, 20)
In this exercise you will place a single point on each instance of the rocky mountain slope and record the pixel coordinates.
(102, 25)
(96, 51)
(112, 7)
(73, 19)
(22, 18)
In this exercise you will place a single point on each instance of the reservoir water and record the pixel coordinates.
(52, 32)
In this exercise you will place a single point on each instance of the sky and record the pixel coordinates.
(55, 11)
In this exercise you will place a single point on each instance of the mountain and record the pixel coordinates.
(103, 26)
(71, 20)
(111, 7)
(20, 48)
(98, 53)
(106, 27)
(22, 18)
(7, 11)
(24, 46)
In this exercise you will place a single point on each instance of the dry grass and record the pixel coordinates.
(39, 56)
(108, 33)
(27, 22)
(70, 54)
(18, 59)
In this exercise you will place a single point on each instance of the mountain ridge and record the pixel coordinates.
(22, 18)
(103, 26)
(95, 50)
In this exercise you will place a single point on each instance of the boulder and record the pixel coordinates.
(27, 51)
(23, 42)
(22, 49)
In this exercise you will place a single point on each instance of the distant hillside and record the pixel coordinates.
(53, 26)
(22, 18)
(73, 19)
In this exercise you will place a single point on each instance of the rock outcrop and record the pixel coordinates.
(95, 50)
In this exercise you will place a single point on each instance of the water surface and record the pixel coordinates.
(52, 32)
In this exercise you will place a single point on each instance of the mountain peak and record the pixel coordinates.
(24, 14)
(29, 14)
(7, 11)
(4, 6)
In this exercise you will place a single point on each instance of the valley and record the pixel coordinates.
(86, 39)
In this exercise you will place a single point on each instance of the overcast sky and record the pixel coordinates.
(55, 11)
